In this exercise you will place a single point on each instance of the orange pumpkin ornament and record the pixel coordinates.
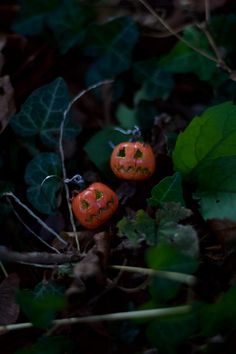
(133, 161)
(94, 205)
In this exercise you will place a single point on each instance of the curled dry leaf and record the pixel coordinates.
(91, 268)
(7, 104)
(224, 229)
(9, 309)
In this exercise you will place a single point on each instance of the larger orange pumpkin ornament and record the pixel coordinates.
(133, 161)
(94, 205)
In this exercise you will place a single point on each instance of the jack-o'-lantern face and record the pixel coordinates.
(133, 161)
(94, 205)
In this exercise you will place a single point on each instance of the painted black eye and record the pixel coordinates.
(138, 154)
(121, 153)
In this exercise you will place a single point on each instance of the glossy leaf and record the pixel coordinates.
(69, 23)
(217, 192)
(167, 190)
(221, 315)
(33, 16)
(169, 332)
(158, 85)
(99, 149)
(126, 117)
(111, 44)
(210, 136)
(40, 311)
(42, 114)
(167, 257)
(43, 165)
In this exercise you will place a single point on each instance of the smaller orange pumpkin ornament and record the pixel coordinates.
(94, 205)
(133, 160)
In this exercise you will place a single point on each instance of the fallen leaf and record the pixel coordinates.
(7, 104)
(9, 309)
(90, 270)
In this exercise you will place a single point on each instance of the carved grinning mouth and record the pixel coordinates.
(109, 203)
(141, 170)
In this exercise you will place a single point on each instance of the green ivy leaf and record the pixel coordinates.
(111, 44)
(141, 228)
(40, 311)
(169, 332)
(168, 190)
(210, 136)
(33, 16)
(182, 59)
(42, 114)
(126, 117)
(43, 165)
(166, 257)
(99, 150)
(48, 287)
(159, 85)
(69, 23)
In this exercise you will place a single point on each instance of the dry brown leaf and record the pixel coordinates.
(224, 229)
(9, 309)
(7, 104)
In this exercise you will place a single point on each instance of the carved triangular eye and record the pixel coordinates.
(121, 153)
(84, 204)
(98, 194)
(138, 154)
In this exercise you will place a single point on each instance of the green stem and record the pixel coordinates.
(131, 315)
(175, 276)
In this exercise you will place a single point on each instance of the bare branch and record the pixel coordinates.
(7, 255)
(31, 213)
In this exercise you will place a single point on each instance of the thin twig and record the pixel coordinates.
(119, 316)
(179, 277)
(31, 213)
(220, 61)
(65, 114)
(29, 229)
(168, 28)
(45, 258)
(3, 269)
(207, 11)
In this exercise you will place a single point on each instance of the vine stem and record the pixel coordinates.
(179, 277)
(29, 229)
(207, 11)
(168, 28)
(31, 213)
(3, 269)
(130, 315)
(62, 155)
